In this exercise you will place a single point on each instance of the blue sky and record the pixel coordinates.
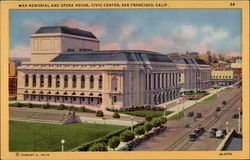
(162, 30)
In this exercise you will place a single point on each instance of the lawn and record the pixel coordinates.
(177, 117)
(145, 113)
(211, 98)
(48, 136)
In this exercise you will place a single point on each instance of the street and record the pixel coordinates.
(176, 136)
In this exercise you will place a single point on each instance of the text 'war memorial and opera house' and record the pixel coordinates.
(67, 67)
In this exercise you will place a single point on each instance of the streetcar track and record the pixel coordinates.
(206, 123)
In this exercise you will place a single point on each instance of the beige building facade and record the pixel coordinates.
(75, 71)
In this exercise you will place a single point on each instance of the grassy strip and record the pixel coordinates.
(48, 136)
(177, 117)
(146, 113)
(49, 106)
(211, 98)
(12, 98)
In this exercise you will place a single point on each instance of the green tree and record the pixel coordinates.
(139, 130)
(82, 109)
(163, 120)
(148, 118)
(19, 104)
(147, 126)
(114, 142)
(127, 136)
(116, 115)
(99, 114)
(156, 122)
(98, 147)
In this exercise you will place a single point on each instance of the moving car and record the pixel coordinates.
(190, 114)
(192, 137)
(218, 109)
(198, 115)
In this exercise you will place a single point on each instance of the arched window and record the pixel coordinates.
(49, 81)
(57, 81)
(66, 81)
(26, 80)
(82, 81)
(91, 81)
(100, 82)
(41, 81)
(74, 81)
(114, 83)
(34, 80)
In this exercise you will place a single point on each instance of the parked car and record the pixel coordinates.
(190, 114)
(212, 134)
(235, 116)
(219, 134)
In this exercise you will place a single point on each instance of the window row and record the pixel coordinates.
(65, 81)
(223, 77)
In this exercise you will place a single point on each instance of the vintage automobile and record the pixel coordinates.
(213, 132)
(224, 102)
(190, 114)
(235, 116)
(193, 137)
(202, 130)
(218, 109)
(198, 115)
(219, 134)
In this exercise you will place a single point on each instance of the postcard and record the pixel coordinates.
(124, 80)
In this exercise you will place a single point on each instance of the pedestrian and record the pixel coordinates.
(194, 119)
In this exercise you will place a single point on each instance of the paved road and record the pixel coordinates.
(176, 129)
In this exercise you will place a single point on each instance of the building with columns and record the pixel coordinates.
(67, 67)
(195, 74)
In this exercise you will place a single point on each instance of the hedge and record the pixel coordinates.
(105, 139)
(50, 106)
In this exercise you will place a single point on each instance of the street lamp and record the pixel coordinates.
(239, 123)
(183, 104)
(227, 127)
(62, 141)
(164, 113)
(131, 123)
(195, 96)
(178, 108)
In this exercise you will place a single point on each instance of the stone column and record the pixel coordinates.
(38, 81)
(70, 81)
(30, 81)
(78, 81)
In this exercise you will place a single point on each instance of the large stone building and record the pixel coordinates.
(222, 77)
(195, 73)
(68, 67)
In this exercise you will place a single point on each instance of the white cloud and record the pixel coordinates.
(126, 31)
(20, 51)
